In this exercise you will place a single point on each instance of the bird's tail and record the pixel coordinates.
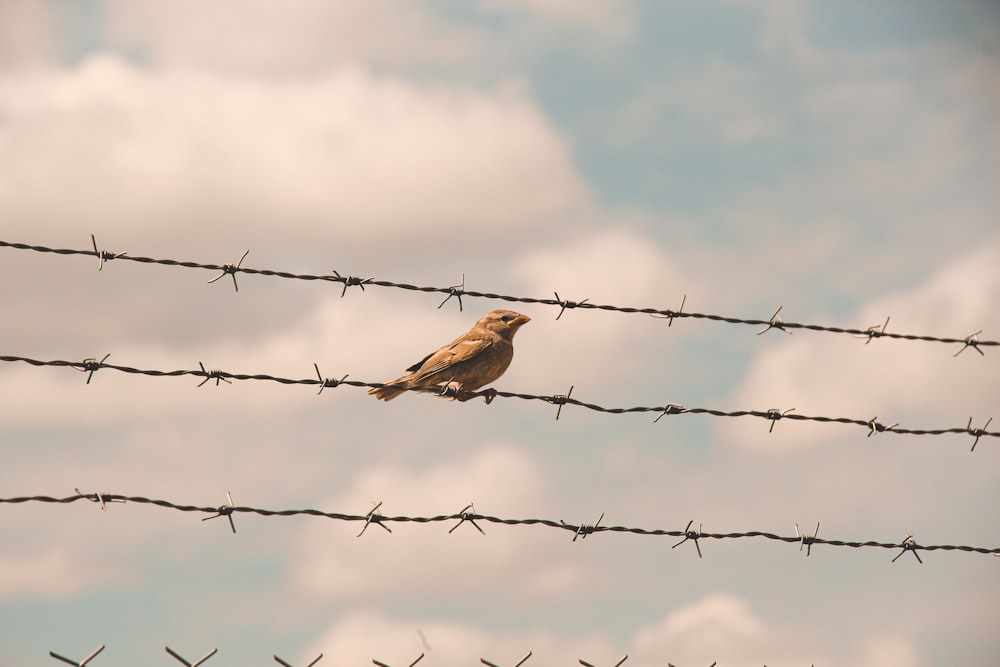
(388, 393)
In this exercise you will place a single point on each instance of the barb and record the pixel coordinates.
(231, 269)
(455, 291)
(99, 498)
(873, 426)
(773, 322)
(972, 340)
(977, 432)
(83, 662)
(223, 510)
(583, 529)
(103, 255)
(560, 400)
(775, 414)
(373, 516)
(216, 375)
(617, 664)
(286, 664)
(908, 544)
(327, 382)
(806, 541)
(672, 314)
(563, 305)
(382, 664)
(92, 365)
(181, 660)
(516, 664)
(578, 530)
(468, 513)
(351, 281)
(692, 535)
(874, 331)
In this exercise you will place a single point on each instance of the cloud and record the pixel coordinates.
(364, 173)
(714, 628)
(55, 573)
(300, 36)
(619, 266)
(897, 380)
(724, 628)
(334, 564)
(26, 35)
(348, 155)
(359, 637)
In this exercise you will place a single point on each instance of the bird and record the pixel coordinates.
(473, 360)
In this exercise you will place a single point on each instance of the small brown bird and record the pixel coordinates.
(474, 359)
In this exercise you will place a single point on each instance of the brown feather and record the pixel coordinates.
(474, 359)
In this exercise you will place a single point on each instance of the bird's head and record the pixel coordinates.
(504, 322)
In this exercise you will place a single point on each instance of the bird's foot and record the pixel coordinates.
(452, 390)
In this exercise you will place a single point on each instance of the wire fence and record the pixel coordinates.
(469, 515)
(458, 291)
(202, 660)
(873, 426)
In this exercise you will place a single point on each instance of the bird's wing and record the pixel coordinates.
(416, 367)
(463, 349)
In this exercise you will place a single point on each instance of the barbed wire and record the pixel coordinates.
(178, 657)
(468, 514)
(458, 291)
(773, 415)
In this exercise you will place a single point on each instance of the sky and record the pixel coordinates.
(837, 159)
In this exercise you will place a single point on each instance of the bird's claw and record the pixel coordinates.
(461, 395)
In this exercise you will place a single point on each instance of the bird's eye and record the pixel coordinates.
(506, 318)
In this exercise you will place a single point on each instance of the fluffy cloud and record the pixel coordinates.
(26, 36)
(359, 637)
(715, 628)
(896, 380)
(615, 265)
(295, 37)
(333, 563)
(53, 573)
(347, 155)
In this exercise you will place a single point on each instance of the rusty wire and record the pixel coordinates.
(773, 415)
(458, 291)
(469, 515)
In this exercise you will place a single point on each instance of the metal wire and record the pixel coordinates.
(774, 322)
(420, 657)
(873, 426)
(469, 515)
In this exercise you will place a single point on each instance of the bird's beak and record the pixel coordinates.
(521, 319)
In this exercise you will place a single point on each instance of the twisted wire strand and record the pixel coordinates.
(471, 517)
(460, 291)
(873, 425)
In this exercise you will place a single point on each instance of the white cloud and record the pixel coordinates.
(54, 573)
(914, 382)
(715, 628)
(359, 637)
(724, 628)
(295, 37)
(616, 266)
(335, 564)
(348, 155)
(26, 36)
